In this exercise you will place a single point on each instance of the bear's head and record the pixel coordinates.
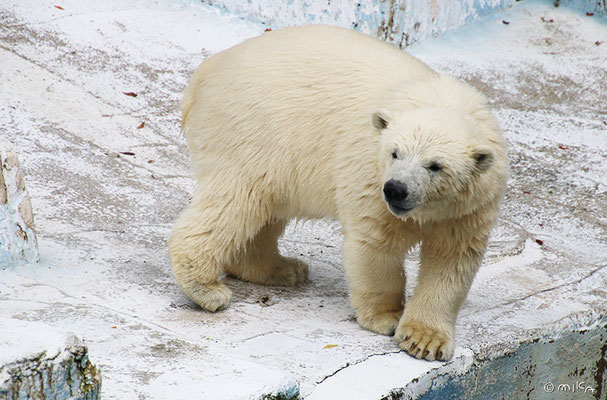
(440, 160)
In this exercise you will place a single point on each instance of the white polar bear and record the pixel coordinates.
(318, 121)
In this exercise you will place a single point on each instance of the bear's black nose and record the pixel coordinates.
(395, 190)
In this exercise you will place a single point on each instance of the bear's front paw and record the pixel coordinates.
(421, 341)
(383, 323)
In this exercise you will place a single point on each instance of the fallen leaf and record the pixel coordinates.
(538, 241)
(127, 153)
(268, 29)
(114, 327)
(526, 192)
(59, 8)
(141, 125)
(150, 161)
(130, 94)
(329, 346)
(547, 20)
(563, 147)
(506, 22)
(589, 14)
(598, 43)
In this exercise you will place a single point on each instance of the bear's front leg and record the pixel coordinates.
(449, 258)
(377, 281)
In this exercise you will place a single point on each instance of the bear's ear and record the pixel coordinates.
(380, 119)
(483, 159)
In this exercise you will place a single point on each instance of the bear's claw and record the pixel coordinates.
(423, 342)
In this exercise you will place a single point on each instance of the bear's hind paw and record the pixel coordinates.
(212, 297)
(288, 272)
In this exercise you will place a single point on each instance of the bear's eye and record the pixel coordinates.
(394, 154)
(435, 167)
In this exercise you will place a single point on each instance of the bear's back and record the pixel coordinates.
(317, 73)
(314, 54)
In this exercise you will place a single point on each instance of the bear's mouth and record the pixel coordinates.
(398, 210)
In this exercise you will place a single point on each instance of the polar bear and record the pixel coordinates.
(319, 121)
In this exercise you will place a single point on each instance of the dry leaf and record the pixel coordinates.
(141, 125)
(329, 346)
(59, 7)
(130, 94)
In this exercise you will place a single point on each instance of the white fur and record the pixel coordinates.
(291, 125)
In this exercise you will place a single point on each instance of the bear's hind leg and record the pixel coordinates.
(260, 262)
(206, 238)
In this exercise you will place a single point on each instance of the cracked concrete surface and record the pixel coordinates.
(105, 191)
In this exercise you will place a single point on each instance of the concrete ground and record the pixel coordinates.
(108, 172)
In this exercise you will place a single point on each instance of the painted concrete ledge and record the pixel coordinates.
(552, 366)
(40, 362)
(567, 364)
(400, 22)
